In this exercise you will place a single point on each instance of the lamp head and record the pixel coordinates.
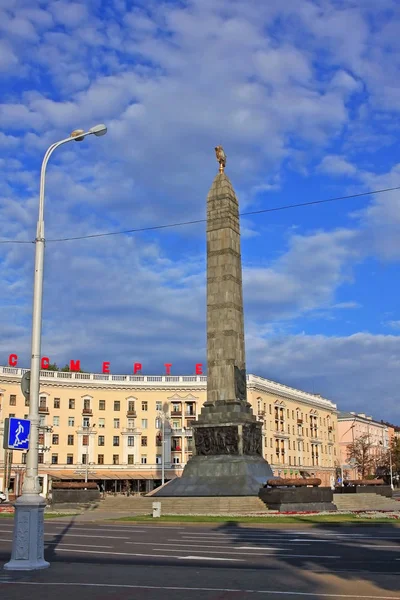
(98, 130)
(77, 134)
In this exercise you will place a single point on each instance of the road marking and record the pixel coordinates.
(256, 550)
(195, 546)
(103, 537)
(148, 555)
(210, 558)
(77, 545)
(196, 589)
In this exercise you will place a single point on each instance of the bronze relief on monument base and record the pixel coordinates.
(240, 384)
(216, 440)
(252, 439)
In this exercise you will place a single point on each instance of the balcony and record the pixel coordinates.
(176, 449)
(299, 421)
(176, 413)
(87, 411)
(189, 415)
(43, 410)
(131, 414)
(131, 431)
(330, 428)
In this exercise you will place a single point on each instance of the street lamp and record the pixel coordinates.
(163, 415)
(28, 539)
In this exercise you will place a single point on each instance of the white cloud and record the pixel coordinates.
(337, 165)
(360, 372)
(8, 59)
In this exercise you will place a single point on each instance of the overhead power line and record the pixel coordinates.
(197, 221)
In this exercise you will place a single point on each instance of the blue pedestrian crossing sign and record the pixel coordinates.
(16, 434)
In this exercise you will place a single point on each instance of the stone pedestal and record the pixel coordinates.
(27, 548)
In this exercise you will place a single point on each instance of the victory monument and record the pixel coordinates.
(227, 436)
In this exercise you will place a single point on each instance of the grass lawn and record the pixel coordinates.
(343, 518)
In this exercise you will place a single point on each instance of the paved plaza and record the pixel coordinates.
(95, 561)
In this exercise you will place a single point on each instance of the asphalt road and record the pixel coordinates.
(149, 562)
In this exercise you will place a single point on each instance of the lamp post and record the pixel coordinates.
(163, 416)
(28, 539)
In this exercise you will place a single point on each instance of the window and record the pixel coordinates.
(131, 459)
(54, 459)
(158, 423)
(144, 405)
(292, 414)
(11, 415)
(131, 440)
(144, 440)
(115, 459)
(144, 423)
(102, 423)
(70, 459)
(27, 401)
(85, 440)
(159, 405)
(70, 440)
(288, 413)
(86, 404)
(176, 408)
(41, 458)
(56, 402)
(100, 459)
(42, 402)
(55, 439)
(158, 459)
(131, 423)
(117, 405)
(13, 400)
(86, 422)
(56, 421)
(102, 405)
(116, 423)
(23, 458)
(71, 421)
(42, 420)
(270, 409)
(116, 440)
(101, 440)
(71, 403)
(26, 416)
(176, 460)
(131, 405)
(84, 457)
(143, 459)
(176, 425)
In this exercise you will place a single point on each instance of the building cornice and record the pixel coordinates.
(272, 387)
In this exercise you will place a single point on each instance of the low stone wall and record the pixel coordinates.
(381, 490)
(298, 499)
(74, 496)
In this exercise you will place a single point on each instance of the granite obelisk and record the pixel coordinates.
(228, 438)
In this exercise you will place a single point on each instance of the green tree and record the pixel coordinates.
(52, 367)
(360, 452)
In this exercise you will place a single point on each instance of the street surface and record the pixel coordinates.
(148, 562)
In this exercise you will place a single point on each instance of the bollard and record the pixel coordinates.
(156, 509)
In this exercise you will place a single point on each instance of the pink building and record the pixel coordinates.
(353, 426)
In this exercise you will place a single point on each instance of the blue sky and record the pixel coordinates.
(305, 98)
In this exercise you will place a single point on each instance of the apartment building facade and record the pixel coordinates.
(121, 430)
(355, 426)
